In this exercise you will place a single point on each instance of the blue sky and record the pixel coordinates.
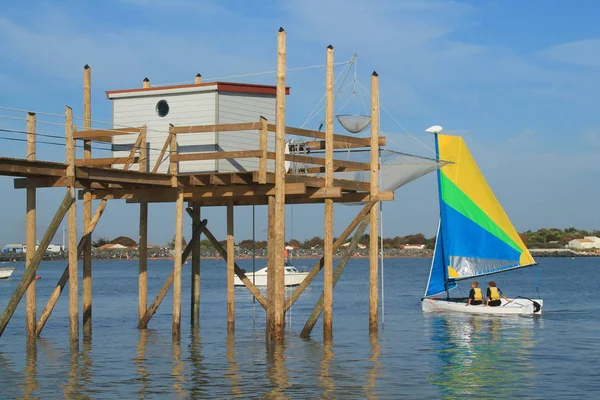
(518, 79)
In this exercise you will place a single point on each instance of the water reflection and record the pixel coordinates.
(177, 371)
(276, 370)
(199, 374)
(31, 382)
(325, 378)
(370, 387)
(72, 389)
(482, 353)
(233, 368)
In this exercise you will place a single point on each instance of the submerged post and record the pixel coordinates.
(279, 214)
(87, 206)
(328, 240)
(72, 241)
(177, 262)
(230, 271)
(30, 299)
(374, 188)
(195, 309)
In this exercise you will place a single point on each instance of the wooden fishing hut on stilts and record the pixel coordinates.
(205, 164)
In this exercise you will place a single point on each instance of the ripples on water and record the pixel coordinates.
(414, 356)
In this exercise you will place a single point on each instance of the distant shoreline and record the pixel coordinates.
(115, 256)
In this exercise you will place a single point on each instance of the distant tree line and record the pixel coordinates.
(542, 238)
(553, 237)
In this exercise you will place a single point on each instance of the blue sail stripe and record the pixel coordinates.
(471, 240)
(437, 277)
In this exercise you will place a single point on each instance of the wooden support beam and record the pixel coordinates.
(121, 176)
(52, 181)
(87, 206)
(374, 233)
(230, 271)
(29, 273)
(132, 159)
(195, 279)
(30, 236)
(358, 141)
(354, 165)
(319, 265)
(20, 167)
(72, 234)
(245, 126)
(328, 239)
(319, 307)
(177, 265)
(105, 162)
(238, 271)
(315, 181)
(161, 155)
(217, 155)
(102, 134)
(86, 238)
(143, 324)
(262, 162)
(278, 224)
(320, 144)
(213, 192)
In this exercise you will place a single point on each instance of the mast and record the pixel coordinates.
(441, 229)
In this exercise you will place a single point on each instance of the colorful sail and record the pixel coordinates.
(476, 237)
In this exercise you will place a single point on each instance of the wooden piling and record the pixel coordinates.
(230, 271)
(270, 266)
(195, 306)
(319, 265)
(72, 232)
(278, 222)
(319, 307)
(177, 265)
(87, 207)
(374, 233)
(29, 274)
(328, 239)
(30, 299)
(65, 276)
(143, 324)
(143, 231)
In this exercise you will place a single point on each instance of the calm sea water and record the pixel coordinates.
(415, 356)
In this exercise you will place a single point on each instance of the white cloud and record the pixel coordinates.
(582, 53)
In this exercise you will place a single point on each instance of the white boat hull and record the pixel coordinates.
(5, 273)
(260, 278)
(517, 306)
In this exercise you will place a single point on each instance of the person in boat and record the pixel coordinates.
(494, 294)
(475, 295)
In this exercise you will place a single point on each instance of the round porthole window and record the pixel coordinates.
(162, 108)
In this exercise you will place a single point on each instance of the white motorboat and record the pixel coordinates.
(293, 277)
(5, 273)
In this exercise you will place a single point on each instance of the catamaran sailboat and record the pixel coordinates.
(474, 238)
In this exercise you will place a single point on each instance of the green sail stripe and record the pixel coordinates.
(457, 199)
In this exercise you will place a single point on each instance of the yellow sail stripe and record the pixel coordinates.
(465, 174)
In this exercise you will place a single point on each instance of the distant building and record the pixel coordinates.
(588, 242)
(359, 245)
(112, 246)
(52, 248)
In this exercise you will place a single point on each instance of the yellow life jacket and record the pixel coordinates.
(494, 294)
(478, 294)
